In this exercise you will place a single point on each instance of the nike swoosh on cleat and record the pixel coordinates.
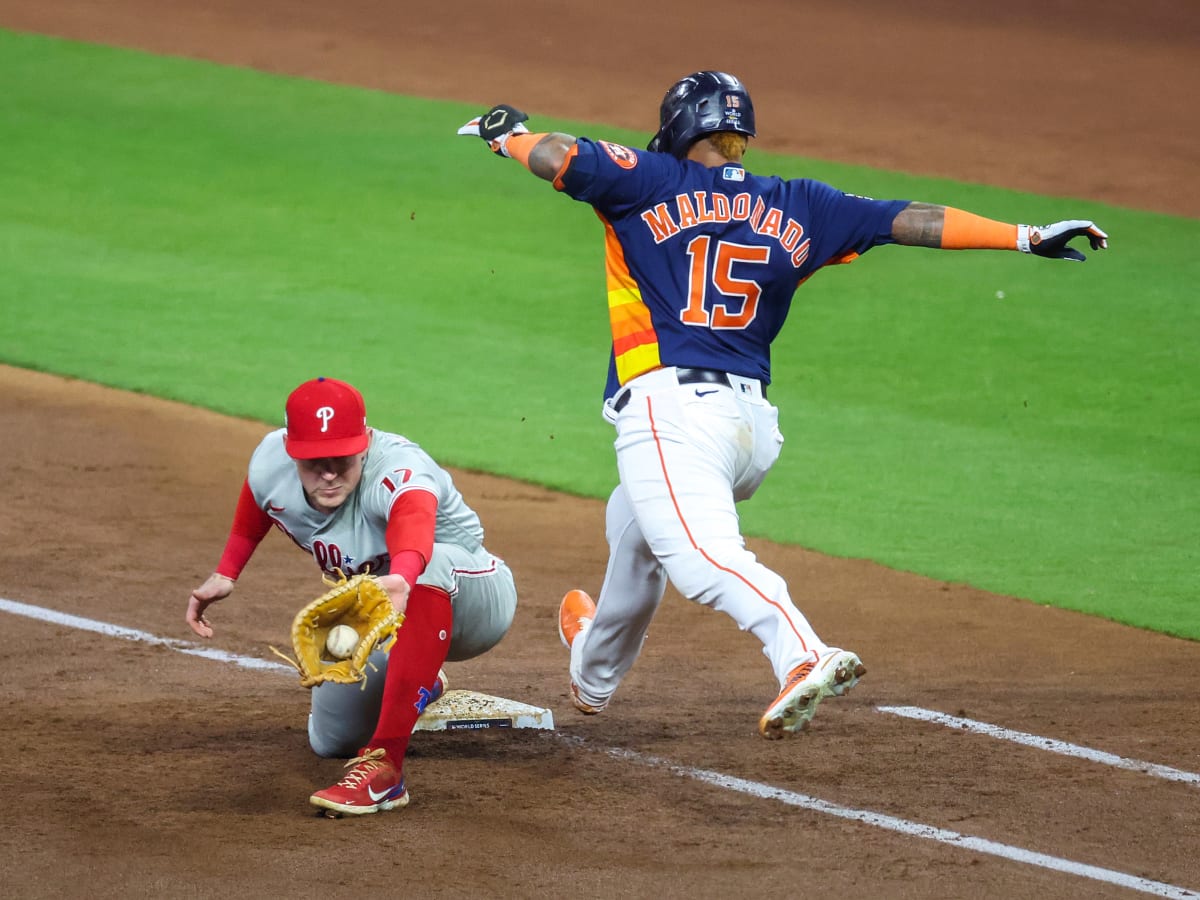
(382, 795)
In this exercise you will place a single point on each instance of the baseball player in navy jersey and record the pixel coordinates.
(702, 259)
(362, 500)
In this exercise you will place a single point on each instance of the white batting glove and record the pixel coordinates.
(496, 126)
(1051, 240)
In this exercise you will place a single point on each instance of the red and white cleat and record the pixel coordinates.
(372, 785)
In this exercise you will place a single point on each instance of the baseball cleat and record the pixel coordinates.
(575, 614)
(834, 673)
(372, 785)
(588, 709)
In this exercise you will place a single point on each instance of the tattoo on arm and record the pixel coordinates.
(549, 154)
(919, 225)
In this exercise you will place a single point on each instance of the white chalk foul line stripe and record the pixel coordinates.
(1042, 743)
(132, 634)
(729, 782)
(914, 829)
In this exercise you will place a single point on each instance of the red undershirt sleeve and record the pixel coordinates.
(410, 533)
(250, 526)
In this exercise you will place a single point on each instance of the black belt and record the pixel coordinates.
(685, 376)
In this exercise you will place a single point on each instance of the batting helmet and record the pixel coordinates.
(700, 104)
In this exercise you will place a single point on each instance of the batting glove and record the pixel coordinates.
(496, 126)
(1051, 240)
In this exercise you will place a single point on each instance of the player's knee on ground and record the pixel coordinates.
(334, 743)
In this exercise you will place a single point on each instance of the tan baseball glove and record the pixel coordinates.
(360, 602)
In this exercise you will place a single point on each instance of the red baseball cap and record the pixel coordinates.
(325, 417)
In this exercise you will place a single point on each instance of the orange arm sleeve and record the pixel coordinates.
(519, 146)
(966, 231)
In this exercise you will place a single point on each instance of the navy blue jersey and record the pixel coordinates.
(702, 263)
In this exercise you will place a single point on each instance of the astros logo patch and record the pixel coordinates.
(622, 156)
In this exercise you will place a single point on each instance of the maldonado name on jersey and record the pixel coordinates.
(686, 211)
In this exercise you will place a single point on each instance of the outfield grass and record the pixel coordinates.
(217, 235)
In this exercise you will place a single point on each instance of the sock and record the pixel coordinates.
(422, 642)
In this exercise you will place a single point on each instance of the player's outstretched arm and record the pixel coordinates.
(947, 228)
(503, 129)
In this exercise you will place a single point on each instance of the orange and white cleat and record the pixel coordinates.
(834, 673)
(588, 709)
(575, 615)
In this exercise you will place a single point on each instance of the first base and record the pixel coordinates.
(472, 711)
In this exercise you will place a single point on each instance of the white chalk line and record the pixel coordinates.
(1043, 743)
(914, 829)
(717, 779)
(132, 634)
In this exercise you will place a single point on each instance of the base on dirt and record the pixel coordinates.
(472, 711)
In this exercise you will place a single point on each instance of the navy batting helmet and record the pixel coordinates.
(700, 104)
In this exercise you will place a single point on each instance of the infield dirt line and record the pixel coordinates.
(733, 783)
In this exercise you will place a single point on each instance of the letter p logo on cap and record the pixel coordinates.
(325, 417)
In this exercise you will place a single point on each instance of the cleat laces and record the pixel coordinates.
(363, 767)
(799, 673)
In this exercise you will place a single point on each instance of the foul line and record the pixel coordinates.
(132, 634)
(1042, 743)
(729, 782)
(914, 829)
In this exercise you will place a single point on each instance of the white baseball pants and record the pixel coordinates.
(686, 454)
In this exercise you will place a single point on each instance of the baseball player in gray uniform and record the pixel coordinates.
(362, 500)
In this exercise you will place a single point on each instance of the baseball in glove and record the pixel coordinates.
(360, 602)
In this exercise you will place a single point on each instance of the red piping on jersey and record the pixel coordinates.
(476, 573)
(679, 514)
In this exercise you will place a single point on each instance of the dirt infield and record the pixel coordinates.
(131, 770)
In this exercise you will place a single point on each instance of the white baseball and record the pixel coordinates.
(341, 641)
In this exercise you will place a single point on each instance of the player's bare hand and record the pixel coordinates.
(1052, 240)
(216, 587)
(496, 126)
(398, 590)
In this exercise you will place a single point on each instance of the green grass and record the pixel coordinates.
(217, 235)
